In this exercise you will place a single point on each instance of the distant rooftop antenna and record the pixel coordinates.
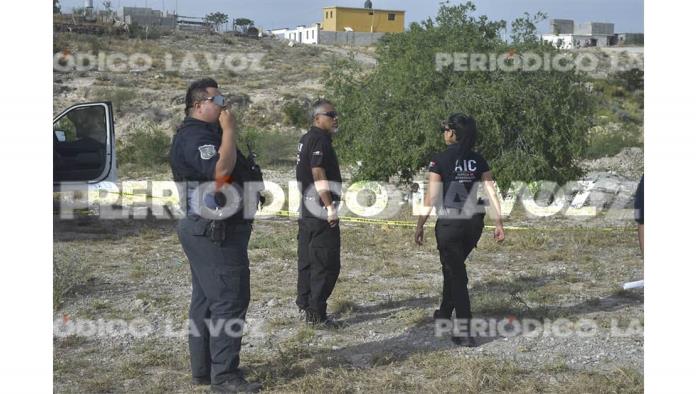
(368, 4)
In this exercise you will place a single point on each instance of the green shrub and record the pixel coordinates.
(295, 114)
(615, 91)
(95, 43)
(145, 147)
(607, 142)
(272, 148)
(119, 97)
(631, 80)
(533, 124)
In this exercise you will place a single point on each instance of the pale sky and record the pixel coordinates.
(627, 15)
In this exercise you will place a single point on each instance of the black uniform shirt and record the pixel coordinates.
(315, 150)
(194, 152)
(193, 157)
(460, 175)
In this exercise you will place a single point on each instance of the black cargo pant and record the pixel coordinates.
(456, 238)
(318, 263)
(219, 299)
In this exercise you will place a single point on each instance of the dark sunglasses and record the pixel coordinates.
(330, 114)
(217, 100)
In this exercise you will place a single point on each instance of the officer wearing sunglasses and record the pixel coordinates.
(454, 178)
(204, 150)
(319, 234)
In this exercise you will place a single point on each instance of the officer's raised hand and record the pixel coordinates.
(228, 148)
(227, 120)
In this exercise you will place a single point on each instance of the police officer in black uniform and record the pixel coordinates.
(319, 235)
(454, 178)
(204, 151)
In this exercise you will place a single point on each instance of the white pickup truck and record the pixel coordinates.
(84, 146)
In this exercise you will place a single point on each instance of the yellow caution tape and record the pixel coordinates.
(383, 222)
(401, 223)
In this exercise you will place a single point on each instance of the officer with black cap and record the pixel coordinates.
(204, 160)
(319, 234)
(454, 178)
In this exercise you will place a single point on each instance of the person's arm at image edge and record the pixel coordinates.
(489, 186)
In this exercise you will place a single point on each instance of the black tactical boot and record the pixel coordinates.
(438, 314)
(201, 381)
(236, 385)
(321, 321)
(465, 341)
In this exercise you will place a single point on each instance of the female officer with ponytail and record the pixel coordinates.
(454, 178)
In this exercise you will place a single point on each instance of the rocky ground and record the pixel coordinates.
(260, 76)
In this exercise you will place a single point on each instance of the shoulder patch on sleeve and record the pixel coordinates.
(207, 151)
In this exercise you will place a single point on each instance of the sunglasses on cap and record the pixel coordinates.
(330, 114)
(218, 100)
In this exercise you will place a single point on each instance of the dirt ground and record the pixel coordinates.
(135, 270)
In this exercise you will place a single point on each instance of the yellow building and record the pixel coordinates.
(363, 20)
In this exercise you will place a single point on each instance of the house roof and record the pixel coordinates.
(362, 9)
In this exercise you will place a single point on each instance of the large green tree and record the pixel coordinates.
(532, 124)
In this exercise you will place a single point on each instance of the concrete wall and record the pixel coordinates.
(631, 38)
(277, 33)
(565, 40)
(594, 28)
(570, 41)
(166, 23)
(189, 27)
(562, 26)
(148, 17)
(348, 38)
(141, 11)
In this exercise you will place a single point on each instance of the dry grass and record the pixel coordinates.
(451, 373)
(385, 278)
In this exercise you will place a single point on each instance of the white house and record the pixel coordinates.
(301, 34)
(565, 34)
(570, 41)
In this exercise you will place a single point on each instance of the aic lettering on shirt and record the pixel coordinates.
(465, 165)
